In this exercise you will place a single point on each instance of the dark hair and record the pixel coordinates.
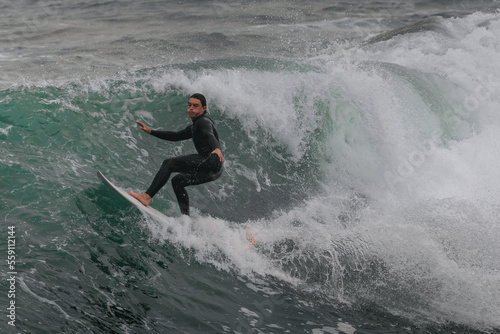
(201, 98)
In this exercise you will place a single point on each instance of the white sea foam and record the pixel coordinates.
(414, 130)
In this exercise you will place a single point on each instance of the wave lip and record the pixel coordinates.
(367, 177)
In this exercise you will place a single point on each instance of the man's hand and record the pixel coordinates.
(144, 127)
(219, 153)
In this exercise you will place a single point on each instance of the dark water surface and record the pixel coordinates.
(361, 146)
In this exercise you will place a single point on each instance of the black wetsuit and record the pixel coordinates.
(195, 168)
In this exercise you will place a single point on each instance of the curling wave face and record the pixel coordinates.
(368, 178)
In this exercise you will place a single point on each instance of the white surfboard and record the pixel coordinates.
(147, 210)
(144, 209)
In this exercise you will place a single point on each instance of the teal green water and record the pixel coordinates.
(363, 161)
(88, 262)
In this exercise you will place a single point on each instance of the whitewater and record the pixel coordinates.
(361, 146)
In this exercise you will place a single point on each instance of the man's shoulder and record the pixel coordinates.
(203, 120)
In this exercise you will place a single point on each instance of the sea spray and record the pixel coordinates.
(365, 171)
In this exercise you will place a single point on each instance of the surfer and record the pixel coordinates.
(193, 169)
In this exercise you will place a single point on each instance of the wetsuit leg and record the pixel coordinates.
(181, 181)
(185, 163)
(195, 170)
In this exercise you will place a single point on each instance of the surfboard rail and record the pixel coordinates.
(147, 210)
(141, 207)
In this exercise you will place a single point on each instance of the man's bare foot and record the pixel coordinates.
(141, 197)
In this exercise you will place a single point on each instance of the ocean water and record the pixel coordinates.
(362, 145)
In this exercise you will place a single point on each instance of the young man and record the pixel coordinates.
(193, 169)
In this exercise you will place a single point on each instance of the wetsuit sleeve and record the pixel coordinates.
(187, 133)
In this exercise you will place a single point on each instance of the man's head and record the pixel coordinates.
(200, 97)
(197, 105)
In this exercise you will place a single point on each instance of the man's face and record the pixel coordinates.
(195, 108)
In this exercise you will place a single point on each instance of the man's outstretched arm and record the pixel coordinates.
(168, 135)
